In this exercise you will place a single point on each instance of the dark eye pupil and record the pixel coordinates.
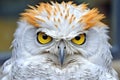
(77, 37)
(45, 36)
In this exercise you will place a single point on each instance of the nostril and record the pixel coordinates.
(65, 47)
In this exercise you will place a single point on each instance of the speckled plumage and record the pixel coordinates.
(34, 61)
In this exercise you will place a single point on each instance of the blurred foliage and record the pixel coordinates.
(7, 27)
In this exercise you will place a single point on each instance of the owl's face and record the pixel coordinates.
(61, 31)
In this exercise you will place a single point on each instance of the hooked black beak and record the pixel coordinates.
(61, 49)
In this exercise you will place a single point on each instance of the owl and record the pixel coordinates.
(60, 41)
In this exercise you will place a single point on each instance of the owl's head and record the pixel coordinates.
(62, 31)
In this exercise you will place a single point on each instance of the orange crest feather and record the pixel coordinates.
(30, 14)
(92, 18)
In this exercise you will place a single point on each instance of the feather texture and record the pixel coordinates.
(60, 58)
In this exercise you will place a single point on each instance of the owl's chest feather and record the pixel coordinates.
(32, 70)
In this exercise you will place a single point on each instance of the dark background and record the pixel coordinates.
(9, 14)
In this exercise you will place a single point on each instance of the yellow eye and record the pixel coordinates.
(43, 38)
(79, 40)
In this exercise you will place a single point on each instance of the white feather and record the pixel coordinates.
(34, 61)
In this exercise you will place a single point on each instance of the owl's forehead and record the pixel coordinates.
(62, 16)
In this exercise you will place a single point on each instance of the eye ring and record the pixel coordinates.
(79, 40)
(43, 38)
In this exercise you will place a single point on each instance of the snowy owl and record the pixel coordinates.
(60, 41)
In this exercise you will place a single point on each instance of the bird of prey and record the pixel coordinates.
(60, 41)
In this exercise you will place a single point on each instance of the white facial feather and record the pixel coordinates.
(62, 22)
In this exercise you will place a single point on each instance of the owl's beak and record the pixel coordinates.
(62, 50)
